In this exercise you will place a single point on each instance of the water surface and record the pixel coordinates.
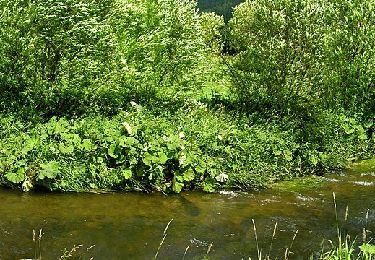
(131, 225)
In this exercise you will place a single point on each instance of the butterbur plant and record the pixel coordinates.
(97, 153)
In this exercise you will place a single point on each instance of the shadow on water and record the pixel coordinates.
(131, 225)
(190, 207)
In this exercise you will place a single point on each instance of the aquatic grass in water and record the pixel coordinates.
(37, 241)
(349, 250)
(268, 256)
(186, 249)
(163, 239)
(76, 252)
(345, 248)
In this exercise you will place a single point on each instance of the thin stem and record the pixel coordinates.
(162, 241)
(337, 220)
(273, 236)
(186, 249)
(287, 250)
(256, 239)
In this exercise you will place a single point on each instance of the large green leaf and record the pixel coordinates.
(29, 145)
(49, 170)
(87, 145)
(147, 160)
(177, 186)
(16, 177)
(163, 158)
(66, 148)
(111, 151)
(189, 175)
(127, 174)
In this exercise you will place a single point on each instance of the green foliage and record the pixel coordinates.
(53, 53)
(333, 139)
(49, 170)
(295, 56)
(368, 250)
(100, 153)
(213, 28)
(193, 149)
(77, 56)
(160, 42)
(16, 177)
(348, 55)
(276, 43)
(300, 101)
(304, 66)
(349, 251)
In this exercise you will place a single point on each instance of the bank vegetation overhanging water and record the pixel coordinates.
(151, 95)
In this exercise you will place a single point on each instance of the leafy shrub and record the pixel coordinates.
(77, 66)
(160, 42)
(333, 140)
(348, 55)
(54, 53)
(99, 153)
(213, 28)
(274, 66)
(77, 56)
(295, 56)
(193, 149)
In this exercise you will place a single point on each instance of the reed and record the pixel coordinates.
(347, 249)
(163, 239)
(260, 255)
(37, 239)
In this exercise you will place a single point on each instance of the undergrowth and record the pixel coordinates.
(152, 95)
(196, 148)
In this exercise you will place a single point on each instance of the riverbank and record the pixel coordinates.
(195, 148)
(154, 96)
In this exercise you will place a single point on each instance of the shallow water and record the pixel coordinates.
(131, 225)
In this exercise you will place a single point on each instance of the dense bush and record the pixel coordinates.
(307, 66)
(213, 28)
(348, 46)
(275, 62)
(54, 54)
(160, 45)
(193, 149)
(294, 56)
(74, 56)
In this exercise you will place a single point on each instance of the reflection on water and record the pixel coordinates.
(130, 226)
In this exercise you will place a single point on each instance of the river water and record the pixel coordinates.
(131, 225)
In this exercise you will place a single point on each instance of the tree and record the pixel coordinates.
(213, 27)
(295, 56)
(73, 56)
(54, 53)
(159, 44)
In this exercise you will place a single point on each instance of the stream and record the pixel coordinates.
(131, 225)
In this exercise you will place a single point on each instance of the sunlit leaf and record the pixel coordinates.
(49, 170)
(368, 249)
(16, 177)
(111, 151)
(127, 174)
